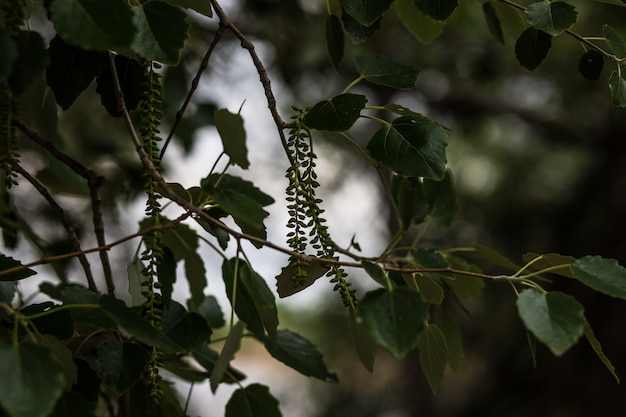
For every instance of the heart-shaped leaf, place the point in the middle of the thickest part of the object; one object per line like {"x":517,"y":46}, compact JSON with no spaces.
{"x":552,"y":17}
{"x":604,"y":275}
{"x":254,"y":400}
{"x":532,"y":47}
{"x":336,"y":114}
{"x":366,"y":12}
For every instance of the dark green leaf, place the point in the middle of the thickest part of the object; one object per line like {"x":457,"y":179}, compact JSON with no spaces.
{"x":8,"y":263}
{"x":8,"y":52}
{"x":58,"y":322}
{"x":76,"y":294}
{"x":429,"y":258}
{"x":166,"y":271}
{"x":422,"y":27}
{"x":32,"y":380}
{"x":551,"y":17}
{"x":433,"y":355}
{"x":493,"y":22}
{"x":441,"y":198}
{"x":135,"y":278}
{"x":431,"y":291}
{"x":63,"y":356}
{"x":550,"y":260}
{"x":556,"y":319}
{"x":210,"y":310}
{"x":132,"y":322}
{"x":188,"y":330}
{"x":614,"y":41}
{"x":254,"y":400}
{"x":603,"y":275}
{"x":408,"y":195}
{"x":162,"y":31}
{"x":591,"y":64}
{"x":366,"y":12}
{"x":617,"y":85}
{"x":377,"y":273}
{"x":120,"y":365}
{"x":230,"y":128}
{"x":99,"y":25}
{"x":362,"y":341}
{"x":71,"y":70}
{"x":496,"y":257}
{"x":334,"y":40}
{"x":208,"y":357}
{"x":356,"y":31}
{"x":300,"y":354}
{"x":394,"y":319}
{"x":231,"y":346}
{"x":7,"y":291}
{"x":451,"y":330}
{"x":200,"y":6}
{"x":31,"y":60}
{"x":597,"y":347}
{"x":411,"y":146}
{"x":286,"y":285}
{"x":336,"y":114}
{"x":72,"y":404}
{"x":131,"y":76}
{"x":383,"y":71}
{"x":532,"y":47}
{"x":437,"y":9}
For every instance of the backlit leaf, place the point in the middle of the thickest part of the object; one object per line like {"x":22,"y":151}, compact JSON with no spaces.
{"x":383,"y":71}
{"x":429,"y":289}
{"x":254,"y":400}
{"x":231,"y":346}
{"x":162,"y":31}
{"x":411,"y":146}
{"x":551,"y":17}
{"x":300,"y":354}
{"x":207,"y":358}
{"x":336,"y":114}
{"x":363,"y":343}
{"x":614,"y":41}
{"x":597,"y":347}
{"x":451,"y":330}
{"x":549,"y":260}
{"x":366,"y":12}
{"x":99,"y":25}
{"x":230,"y":128}
{"x":424,"y":28}
{"x":71,"y":70}
{"x":7,"y":263}
{"x":376,"y":272}
{"x":286,"y":286}
{"x":437,"y":9}
{"x":591,"y":64}
{"x":32,"y":380}
{"x":617,"y":85}
{"x":394,"y":319}
{"x":334,"y":39}
{"x":532,"y":47}
{"x":555,"y":318}
{"x":603,"y":275}
{"x":433,"y":355}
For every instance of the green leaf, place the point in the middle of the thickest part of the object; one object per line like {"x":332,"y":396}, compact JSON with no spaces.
{"x":8,"y":52}
{"x":451,"y":330}
{"x":254,"y":400}
{"x":356,"y":31}
{"x":63,"y":356}
{"x":433,"y":355}
{"x":597,"y":347}
{"x":549,"y":260}
{"x":334,"y":39}
{"x":336,"y":114}
{"x":556,"y":319}
{"x":7,"y":263}
{"x":287,"y":286}
{"x":614,"y":41}
{"x":551,"y":17}
{"x":71,"y":70}
{"x":394,"y":319}
{"x":408,"y":196}
{"x":363,"y":343}
{"x":437,"y":9}
{"x":617,"y":85}
{"x":254,"y":303}
{"x":32,"y":380}
{"x":603,"y":275}
{"x":366,"y":12}
{"x":512,"y":20}
{"x":166,"y":271}
{"x":299,"y":354}
{"x":133,"y":323}
{"x":120,"y":365}
{"x":532,"y":47}
{"x":431,"y":291}
{"x":207,"y":359}
{"x":32,"y":58}
{"x":590,"y":65}
{"x":99,"y":25}
{"x":76,"y":294}
{"x":231,"y":346}
{"x":230,"y":128}
{"x":131,"y":76}
{"x":188,"y":330}
{"x":441,"y":198}
{"x":201,"y":6}
{"x":383,"y":71}
{"x":422,"y":27}
{"x":7,"y":291}
{"x":210,"y":310}
{"x":376,"y":272}
{"x":162,"y":31}
{"x":493,"y":22}
{"x":496,"y":257}
{"x":411,"y":146}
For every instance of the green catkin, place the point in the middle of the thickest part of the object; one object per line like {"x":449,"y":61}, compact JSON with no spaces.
{"x":150,"y":109}
{"x":306,"y":221}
